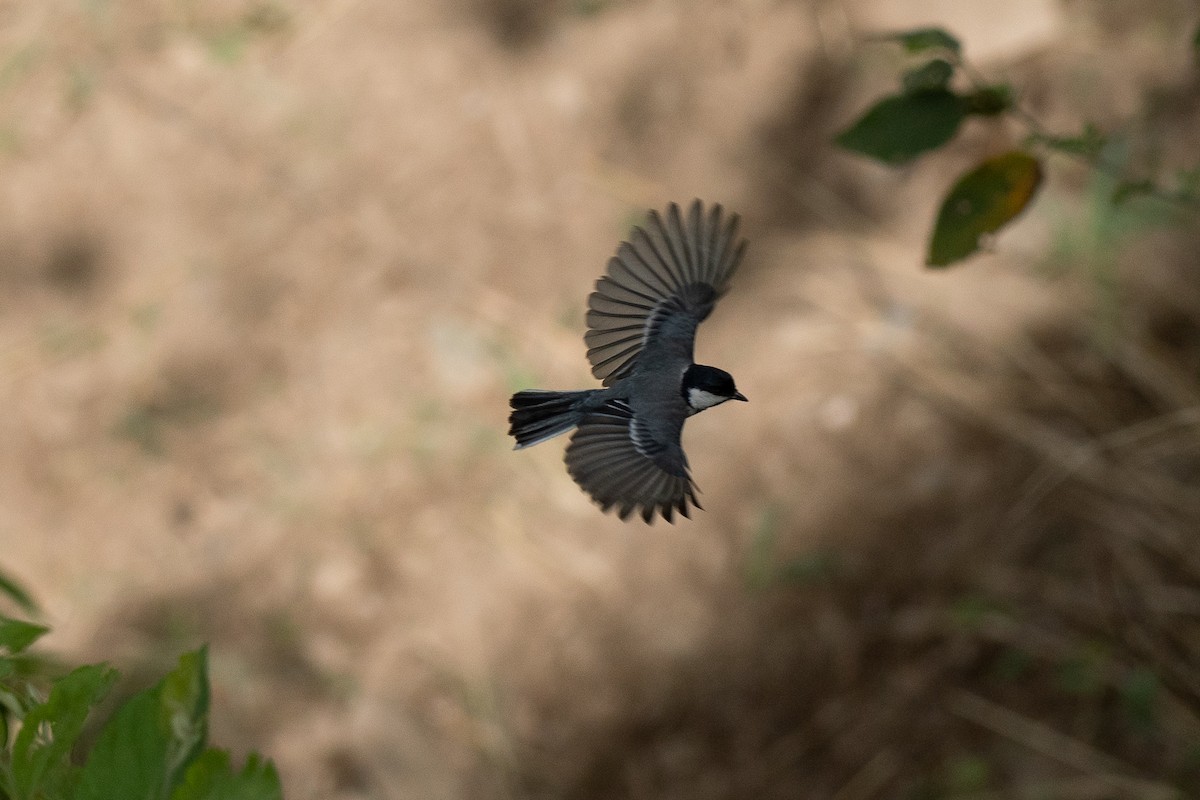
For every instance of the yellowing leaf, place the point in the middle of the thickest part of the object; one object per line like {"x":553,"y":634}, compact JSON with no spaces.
{"x":982,"y":201}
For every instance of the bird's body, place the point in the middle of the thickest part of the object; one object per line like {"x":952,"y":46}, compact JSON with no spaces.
{"x":642,"y":319}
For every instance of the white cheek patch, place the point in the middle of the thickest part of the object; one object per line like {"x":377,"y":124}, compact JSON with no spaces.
{"x":700,"y":399}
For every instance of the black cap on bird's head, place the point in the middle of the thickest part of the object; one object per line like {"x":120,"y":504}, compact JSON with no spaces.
{"x":704,"y":387}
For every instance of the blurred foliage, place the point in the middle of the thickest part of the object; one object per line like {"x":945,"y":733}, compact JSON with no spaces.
{"x":927,"y":113}
{"x":153,"y":747}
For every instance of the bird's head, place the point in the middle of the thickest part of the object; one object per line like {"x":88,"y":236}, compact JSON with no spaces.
{"x":704,"y":387}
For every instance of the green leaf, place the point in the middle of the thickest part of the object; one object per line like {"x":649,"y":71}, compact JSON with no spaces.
{"x":1087,"y":144}
{"x":982,"y":201}
{"x":145,"y":749}
{"x":920,"y":40}
{"x":16,"y":635}
{"x":989,"y":101}
{"x":935,"y":74}
{"x":184,"y":710}
{"x":128,"y":758}
{"x":899,"y":128}
{"x":41,"y":752}
{"x":210,"y":777}
{"x":17,"y":594}
{"x":1127,"y":190}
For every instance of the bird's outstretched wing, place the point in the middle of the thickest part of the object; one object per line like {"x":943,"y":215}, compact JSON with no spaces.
{"x":659,"y":286}
{"x":621,"y":466}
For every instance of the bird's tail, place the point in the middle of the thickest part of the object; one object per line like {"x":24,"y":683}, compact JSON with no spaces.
{"x":539,"y":415}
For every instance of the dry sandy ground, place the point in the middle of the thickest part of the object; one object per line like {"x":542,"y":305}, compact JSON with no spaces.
{"x":268,"y":273}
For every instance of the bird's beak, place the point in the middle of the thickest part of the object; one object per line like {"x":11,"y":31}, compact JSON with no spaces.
{"x":740,"y":396}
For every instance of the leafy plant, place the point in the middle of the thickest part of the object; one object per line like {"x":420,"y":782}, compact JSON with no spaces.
{"x":153,"y":747}
{"x":928,"y":112}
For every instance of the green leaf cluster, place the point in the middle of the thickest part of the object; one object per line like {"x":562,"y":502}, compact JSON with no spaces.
{"x":926,"y":114}
{"x":928,"y":111}
{"x":153,"y":748}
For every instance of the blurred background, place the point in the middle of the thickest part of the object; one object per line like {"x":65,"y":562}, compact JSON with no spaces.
{"x":269,"y":272}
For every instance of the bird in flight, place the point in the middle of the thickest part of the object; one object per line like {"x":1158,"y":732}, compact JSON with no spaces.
{"x":626,"y":451}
